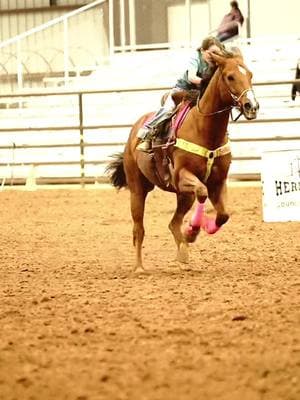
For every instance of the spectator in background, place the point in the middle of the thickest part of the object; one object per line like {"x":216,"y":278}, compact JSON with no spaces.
{"x":231,"y":23}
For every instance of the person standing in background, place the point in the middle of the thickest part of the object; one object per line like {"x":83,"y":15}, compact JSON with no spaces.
{"x":231,"y":23}
{"x":296,"y":85}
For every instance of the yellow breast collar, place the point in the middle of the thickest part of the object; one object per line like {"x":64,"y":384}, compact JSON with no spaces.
{"x":204,"y":152}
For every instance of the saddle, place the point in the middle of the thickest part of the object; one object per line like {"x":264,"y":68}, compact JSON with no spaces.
{"x":164,"y":136}
{"x":165,"y":132}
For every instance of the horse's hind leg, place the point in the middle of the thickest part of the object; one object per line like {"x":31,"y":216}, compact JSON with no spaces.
{"x":184,"y":203}
{"x":137,"y":203}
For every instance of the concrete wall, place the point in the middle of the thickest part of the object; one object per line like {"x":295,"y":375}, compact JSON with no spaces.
{"x":271,"y":17}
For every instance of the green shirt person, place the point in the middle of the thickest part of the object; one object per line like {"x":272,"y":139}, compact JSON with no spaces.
{"x":196,"y":69}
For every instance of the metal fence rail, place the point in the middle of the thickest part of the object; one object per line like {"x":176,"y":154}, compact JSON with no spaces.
{"x":54,"y":48}
{"x":82,"y":146}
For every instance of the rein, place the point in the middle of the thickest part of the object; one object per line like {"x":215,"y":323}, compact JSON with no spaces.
{"x":229,"y":108}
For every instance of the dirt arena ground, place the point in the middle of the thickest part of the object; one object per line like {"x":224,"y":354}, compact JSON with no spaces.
{"x":77,"y":324}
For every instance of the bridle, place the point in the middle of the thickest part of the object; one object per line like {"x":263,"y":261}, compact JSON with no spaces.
{"x":238,"y":98}
{"x":236,"y":104}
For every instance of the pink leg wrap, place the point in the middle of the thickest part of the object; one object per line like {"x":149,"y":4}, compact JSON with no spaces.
{"x":209,"y":225}
{"x":198,"y":215}
{"x":200,"y":220}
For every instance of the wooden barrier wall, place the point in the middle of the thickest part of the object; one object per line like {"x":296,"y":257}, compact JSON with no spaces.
{"x":69,"y":137}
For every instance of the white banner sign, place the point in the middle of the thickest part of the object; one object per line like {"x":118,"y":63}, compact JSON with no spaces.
{"x":281,"y":185}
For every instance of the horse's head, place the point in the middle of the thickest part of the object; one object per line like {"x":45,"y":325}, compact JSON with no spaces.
{"x":237,"y":83}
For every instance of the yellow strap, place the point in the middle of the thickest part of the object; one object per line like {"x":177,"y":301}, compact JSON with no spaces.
{"x":204,"y":152}
{"x":209,"y":165}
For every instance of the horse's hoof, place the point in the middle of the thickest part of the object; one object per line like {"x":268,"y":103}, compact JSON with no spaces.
{"x":183,"y":253}
{"x":222,"y":219}
{"x":141,"y":272}
{"x":138,"y":268}
{"x":191,"y":233}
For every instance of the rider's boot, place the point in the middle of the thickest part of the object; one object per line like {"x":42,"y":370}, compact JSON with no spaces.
{"x":144,"y":134}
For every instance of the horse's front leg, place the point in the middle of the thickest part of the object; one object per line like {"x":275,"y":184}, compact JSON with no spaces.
{"x":218,"y":196}
{"x":137,"y":203}
{"x":184,"y":203}
{"x":189,"y":183}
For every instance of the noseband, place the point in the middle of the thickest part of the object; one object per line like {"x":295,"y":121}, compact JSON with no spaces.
{"x":237,"y":102}
{"x":238,"y":98}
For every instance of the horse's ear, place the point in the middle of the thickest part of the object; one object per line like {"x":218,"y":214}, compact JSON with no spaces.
{"x":218,"y":59}
{"x":236,"y":52}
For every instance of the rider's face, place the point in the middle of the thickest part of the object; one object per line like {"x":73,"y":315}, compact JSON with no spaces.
{"x":206,"y":53}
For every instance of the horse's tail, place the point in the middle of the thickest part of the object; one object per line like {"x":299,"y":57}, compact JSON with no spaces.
{"x":115,"y":171}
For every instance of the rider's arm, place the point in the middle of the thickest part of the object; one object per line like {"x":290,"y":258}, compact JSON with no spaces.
{"x":193,"y":68}
{"x":192,"y":76}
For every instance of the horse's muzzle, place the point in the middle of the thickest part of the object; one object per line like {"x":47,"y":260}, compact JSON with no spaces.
{"x":250,"y":111}
{"x":250,"y":106}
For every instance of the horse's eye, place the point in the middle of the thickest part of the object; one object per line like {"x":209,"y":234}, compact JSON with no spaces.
{"x":230,"y":78}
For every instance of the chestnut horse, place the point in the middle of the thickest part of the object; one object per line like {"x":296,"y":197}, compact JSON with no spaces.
{"x":200,"y":158}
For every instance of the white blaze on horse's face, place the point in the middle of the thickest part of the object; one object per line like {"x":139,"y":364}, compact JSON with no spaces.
{"x":239,"y":83}
{"x":250,"y":96}
{"x":249,"y":104}
{"x":242,"y":70}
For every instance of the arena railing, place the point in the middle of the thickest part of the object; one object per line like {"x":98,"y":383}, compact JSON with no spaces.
{"x":49,"y":48}
{"x":81,"y":127}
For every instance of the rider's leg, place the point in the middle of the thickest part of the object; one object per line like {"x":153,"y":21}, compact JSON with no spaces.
{"x":146,"y":132}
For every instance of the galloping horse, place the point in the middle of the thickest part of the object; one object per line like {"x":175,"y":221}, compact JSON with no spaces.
{"x":200,"y":158}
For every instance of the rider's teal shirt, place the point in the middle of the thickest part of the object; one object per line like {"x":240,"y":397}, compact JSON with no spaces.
{"x":197,"y":62}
